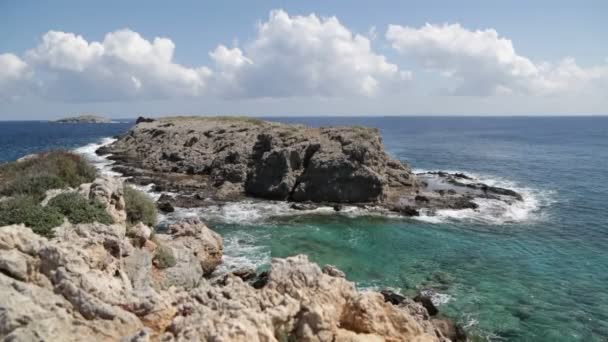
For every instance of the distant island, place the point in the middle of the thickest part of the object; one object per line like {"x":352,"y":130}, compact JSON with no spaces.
{"x":85,"y":118}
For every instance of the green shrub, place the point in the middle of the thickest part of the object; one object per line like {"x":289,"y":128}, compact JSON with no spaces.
{"x":51,"y":170}
{"x":25,"y":209}
{"x":79,"y":209}
{"x":139,"y":207}
{"x":164,"y":258}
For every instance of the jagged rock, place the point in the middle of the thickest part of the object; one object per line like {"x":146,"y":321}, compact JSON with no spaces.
{"x":333,"y":271}
{"x":449,"y":329}
{"x":165,"y":206}
{"x":392,"y":297}
{"x":245,"y":273}
{"x":82,"y":286}
{"x":143,"y":119}
{"x":299,"y":302}
{"x":140,"y":232}
{"x":269,"y":160}
{"x":109,"y":191}
{"x":197,"y":249}
{"x":14,"y":264}
{"x":427,"y":303}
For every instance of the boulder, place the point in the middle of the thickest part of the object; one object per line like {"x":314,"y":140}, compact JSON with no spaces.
{"x":197,"y":251}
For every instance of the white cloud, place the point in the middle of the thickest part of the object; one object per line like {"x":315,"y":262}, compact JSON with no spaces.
{"x":289,"y":56}
{"x":486,"y":64}
{"x":123,"y":65}
{"x":13,"y":76}
{"x":305,"y":56}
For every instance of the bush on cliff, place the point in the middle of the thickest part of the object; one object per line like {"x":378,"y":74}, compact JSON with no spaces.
{"x":139,"y":207}
{"x":51,"y":170}
{"x":79,"y":209}
{"x":26,"y":210}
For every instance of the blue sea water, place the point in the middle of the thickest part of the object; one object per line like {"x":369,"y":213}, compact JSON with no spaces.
{"x":533,"y":272}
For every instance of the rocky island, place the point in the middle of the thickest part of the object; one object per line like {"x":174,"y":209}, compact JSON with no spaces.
{"x":84,"y":118}
{"x":230,"y":158}
{"x":80,"y":260}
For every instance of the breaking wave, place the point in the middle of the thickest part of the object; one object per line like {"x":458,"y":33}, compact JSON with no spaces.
{"x":491,"y":211}
{"x":103,"y":164}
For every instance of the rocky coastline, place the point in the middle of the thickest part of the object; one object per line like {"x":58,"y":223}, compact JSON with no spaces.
{"x":203,"y":160}
{"x":121,"y":282}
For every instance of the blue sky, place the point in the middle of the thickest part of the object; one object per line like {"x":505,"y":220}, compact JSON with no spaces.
{"x":287,"y":58}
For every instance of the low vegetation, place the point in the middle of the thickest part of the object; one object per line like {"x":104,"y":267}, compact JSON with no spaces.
{"x":78,"y":209}
{"x":139,"y":207}
{"x":26,"y":210}
{"x":51,"y":170}
{"x":23,"y":185}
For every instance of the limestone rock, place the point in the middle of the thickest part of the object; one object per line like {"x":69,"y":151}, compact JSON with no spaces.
{"x":197,"y":249}
{"x":89,"y":283}
{"x":109,"y":191}
{"x":264,"y":159}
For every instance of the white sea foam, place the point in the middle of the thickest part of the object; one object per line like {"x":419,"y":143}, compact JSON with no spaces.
{"x":102,"y":163}
{"x":493,"y":211}
{"x":437,"y":298}
{"x":242,"y":250}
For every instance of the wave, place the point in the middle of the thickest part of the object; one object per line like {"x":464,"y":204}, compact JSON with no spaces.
{"x":491,"y":211}
{"x":102,"y":163}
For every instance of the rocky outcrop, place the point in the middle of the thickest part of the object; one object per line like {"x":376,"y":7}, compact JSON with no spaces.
{"x":99,"y":282}
{"x":237,"y":157}
{"x":110,"y":192}
{"x":206,"y":159}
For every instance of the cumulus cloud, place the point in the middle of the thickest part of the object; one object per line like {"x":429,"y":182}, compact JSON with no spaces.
{"x":305,"y":56}
{"x":14,"y":73}
{"x":485,"y":63}
{"x":123,"y":65}
{"x":289,"y":56}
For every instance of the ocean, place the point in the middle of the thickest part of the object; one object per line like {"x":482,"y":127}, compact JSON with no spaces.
{"x":535,"y":271}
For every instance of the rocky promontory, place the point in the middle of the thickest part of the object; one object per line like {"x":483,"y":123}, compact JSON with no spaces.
{"x":84,"y":118}
{"x":229,"y":158}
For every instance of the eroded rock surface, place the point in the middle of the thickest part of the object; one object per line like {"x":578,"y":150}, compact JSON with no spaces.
{"x":97,"y":282}
{"x":236,"y":157}
{"x":207,"y":159}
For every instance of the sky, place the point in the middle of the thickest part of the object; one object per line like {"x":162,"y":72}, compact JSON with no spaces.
{"x":123,"y":59}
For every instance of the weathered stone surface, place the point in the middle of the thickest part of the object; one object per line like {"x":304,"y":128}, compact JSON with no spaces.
{"x":225,"y":159}
{"x":197,"y":249}
{"x":109,"y":191}
{"x":85,"y":284}
{"x":268,"y":160}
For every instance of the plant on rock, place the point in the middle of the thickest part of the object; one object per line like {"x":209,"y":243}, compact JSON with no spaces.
{"x":25,"y":210}
{"x":79,"y":209}
{"x":139,"y":207}
{"x":51,"y":170}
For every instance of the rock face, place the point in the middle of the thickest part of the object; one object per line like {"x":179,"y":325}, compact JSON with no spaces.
{"x":108,"y":191}
{"x":236,"y":157}
{"x":91,"y":283}
{"x":207,"y":159}
{"x":85,"y":118}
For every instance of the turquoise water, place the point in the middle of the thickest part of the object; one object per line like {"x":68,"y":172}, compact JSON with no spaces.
{"x":538,"y":274}
{"x":535,"y":272}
